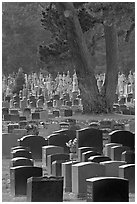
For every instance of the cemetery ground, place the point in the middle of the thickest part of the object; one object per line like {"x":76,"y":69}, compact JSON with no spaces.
{"x":67,"y":197}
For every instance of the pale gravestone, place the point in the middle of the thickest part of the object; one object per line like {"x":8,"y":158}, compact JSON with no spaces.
{"x":67,"y":174}
{"x":127,"y":171}
{"x":80,"y":172}
{"x":88,"y":154}
{"x":21,"y":161}
{"x":35,"y":143}
{"x":55,"y":157}
{"x":128,"y":156}
{"x":48,"y":150}
{"x":98,"y":158}
{"x":112,"y":168}
{"x":84,"y":149}
{"x":19,"y":176}
{"x":107,"y":189}
{"x":90,"y":137}
{"x":116,"y":152}
{"x":125,"y":138}
{"x":50,"y":189}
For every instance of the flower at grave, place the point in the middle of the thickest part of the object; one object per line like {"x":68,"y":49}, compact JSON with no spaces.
{"x":72,"y":145}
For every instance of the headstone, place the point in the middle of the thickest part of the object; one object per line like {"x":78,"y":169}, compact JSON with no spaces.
{"x":21,"y":161}
{"x":67,"y":174}
{"x":7,"y":117}
{"x":23,"y":104}
{"x":112,"y":168}
{"x":21,"y":153}
{"x":84,"y":149}
{"x":50,"y":189}
{"x":76,"y":102}
{"x":35,"y":116}
{"x":7,"y":98}
{"x":14,"y":111}
{"x":56,"y":97}
{"x":44,"y":115}
{"x":125,"y":138}
{"x":107,"y":148}
{"x":107,"y":189}
{"x":88,"y":154}
{"x":39,"y":103}
{"x":19,"y":147}
{"x":122,"y":100}
{"x":19,"y":176}
{"x":67,"y":112}
{"x":35,"y":143}
{"x":80,"y":172}
{"x":56,"y":113}
{"x":57,"y":167}
{"x":98,"y":158}
{"x":128,"y":156}
{"x":118,"y":126}
{"x":90,"y":137}
{"x":22,"y":118}
{"x":5,"y":111}
{"x":116,"y":152}
{"x":127,"y":171}
{"x":68,"y":103}
{"x":55,"y":157}
{"x":48,"y":150}
{"x":14,"y":118}
{"x":41,"y":97}
{"x":59,"y":139}
{"x":11,"y":127}
{"x":94,"y":125}
{"x":64,"y":125}
{"x":22,"y":124}
{"x":49,"y":104}
{"x":106,"y":124}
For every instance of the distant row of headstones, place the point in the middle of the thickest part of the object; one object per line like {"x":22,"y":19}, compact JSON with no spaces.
{"x":99,"y":173}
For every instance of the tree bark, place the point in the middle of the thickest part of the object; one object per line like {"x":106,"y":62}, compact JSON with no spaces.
{"x":111,"y":79}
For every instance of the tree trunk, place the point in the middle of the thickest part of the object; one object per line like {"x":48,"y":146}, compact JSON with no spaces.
{"x":111,"y":79}
{"x":87,"y":81}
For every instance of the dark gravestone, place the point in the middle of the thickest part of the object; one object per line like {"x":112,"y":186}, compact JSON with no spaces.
{"x":41,"y":97}
{"x":118,"y":126}
{"x":128,"y":156}
{"x":32,"y":98}
{"x":14,"y":118}
{"x":126,"y":112}
{"x":36,"y":116}
{"x":67,"y":112}
{"x":98,"y":158}
{"x":76,"y":102}
{"x":5,"y":111}
{"x":127,"y":171}
{"x":23,"y":124}
{"x":14,"y":111}
{"x":27,"y":111}
{"x":7,"y":117}
{"x":56,"y":97}
{"x":19,"y":176}
{"x":22,"y":118}
{"x":32,"y":104}
{"x":50,"y":189}
{"x":56,"y":113}
{"x":107,"y":189}
{"x":57,"y":167}
{"x":35,"y":144}
{"x":59,"y":140}
{"x":49,"y":104}
{"x":11,"y":127}
{"x":68,"y":103}
{"x":21,"y":153}
{"x":7,"y":98}
{"x":125,"y":138}
{"x":88,"y":154}
{"x":84,"y":149}
{"x":21,"y":161}
{"x":116,"y":152}
{"x":122,"y":100}
{"x":122,"y":107}
{"x":70,"y":133}
{"x":90,"y":137}
{"x":55,"y":157}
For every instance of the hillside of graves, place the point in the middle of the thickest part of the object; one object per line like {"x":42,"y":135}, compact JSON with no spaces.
{"x":48,"y":143}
